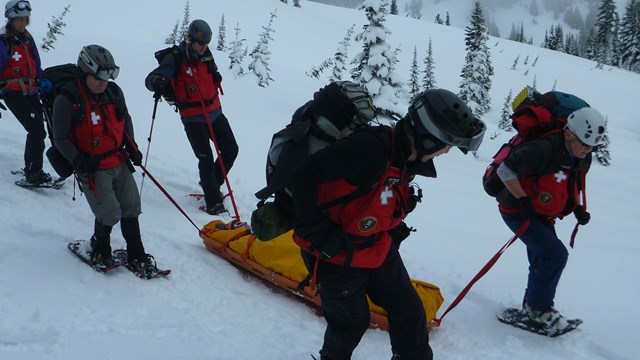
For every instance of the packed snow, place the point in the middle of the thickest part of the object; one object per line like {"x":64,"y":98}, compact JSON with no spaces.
{"x":52,"y":306}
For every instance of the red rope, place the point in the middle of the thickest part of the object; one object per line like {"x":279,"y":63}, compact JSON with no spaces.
{"x":215,"y":143}
{"x":436,"y":322}
{"x":168,"y":196}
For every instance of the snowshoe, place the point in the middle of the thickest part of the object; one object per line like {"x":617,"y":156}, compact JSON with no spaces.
{"x":144,"y":269}
{"x":82,"y":250}
{"x":549,"y":323}
{"x":37,"y":180}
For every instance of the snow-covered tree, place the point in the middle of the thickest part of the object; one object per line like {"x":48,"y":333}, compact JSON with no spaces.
{"x":515,"y":63}
{"x":222,"y":31}
{"x":429,"y":78}
{"x":477,"y":70}
{"x":296,"y":3}
{"x":261,"y":54}
{"x":173,"y":38}
{"x":394,"y":7}
{"x":606,"y":33}
{"x":316,"y":71}
{"x":373,"y":64}
{"x":55,"y":29}
{"x":447,"y":20}
{"x":186,"y":20}
{"x":601,"y":152}
{"x":629,"y":39}
{"x":573,"y":18}
{"x":505,"y":114}
{"x":414,"y":85}
{"x":237,"y":52}
{"x":533,"y":8}
{"x":438,"y":19}
{"x":415,"y":9}
{"x":340,"y":57}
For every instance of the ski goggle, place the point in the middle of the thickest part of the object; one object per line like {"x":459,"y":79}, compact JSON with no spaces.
{"x":22,"y":5}
{"x":20,"y":9}
{"x":471,"y":143}
{"x":105,"y":73}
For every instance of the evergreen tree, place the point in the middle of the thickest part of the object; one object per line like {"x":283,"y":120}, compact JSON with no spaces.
{"x":296,"y":3}
{"x":447,"y":20}
{"x":373,"y":73}
{"x":316,"y":71}
{"x":186,"y":20}
{"x":492,"y":29}
{"x":429,"y":78}
{"x":477,"y":70}
{"x":414,"y":86}
{"x":237,"y":52}
{"x":515,"y":63}
{"x":533,"y":8}
{"x":630,"y":37}
{"x":172,"y":39}
{"x":602,"y":151}
{"x":606,"y":32}
{"x":55,"y":29}
{"x":505,"y":114}
{"x":284,"y":1}
{"x":439,"y":19}
{"x":261,"y":54}
{"x":415,"y":9}
{"x":573,"y":18}
{"x":221,"y":35}
{"x":340,"y":57}
{"x":394,"y":7}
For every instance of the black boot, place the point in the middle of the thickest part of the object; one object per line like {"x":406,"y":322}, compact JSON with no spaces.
{"x":131,"y":232}
{"x":101,"y":243}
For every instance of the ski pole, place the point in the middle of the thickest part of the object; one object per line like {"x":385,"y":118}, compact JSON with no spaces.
{"x":218,"y":152}
{"x":156,"y":98}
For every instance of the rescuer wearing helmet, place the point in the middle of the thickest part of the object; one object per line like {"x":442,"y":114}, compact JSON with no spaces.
{"x":189,"y":76}
{"x":543,"y":180}
{"x":350,"y":200}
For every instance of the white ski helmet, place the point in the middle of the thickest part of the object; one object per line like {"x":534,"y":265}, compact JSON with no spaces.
{"x":17,"y":9}
{"x":588,"y":125}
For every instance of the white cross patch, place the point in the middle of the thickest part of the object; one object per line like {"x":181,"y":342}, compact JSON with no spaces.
{"x":560,"y":176}
{"x":189,"y":71}
{"x":95,"y":118}
{"x":16,"y":56}
{"x":385,"y":195}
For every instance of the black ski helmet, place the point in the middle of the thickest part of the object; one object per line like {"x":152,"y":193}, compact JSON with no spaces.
{"x":442,"y":114}
{"x":200,"y":31}
{"x":98,"y":61}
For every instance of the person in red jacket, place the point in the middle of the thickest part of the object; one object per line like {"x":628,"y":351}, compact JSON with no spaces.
{"x":350,"y":200}
{"x":543,"y":179}
{"x":191,"y":75}
{"x":94,"y":131}
{"x":20,"y":74}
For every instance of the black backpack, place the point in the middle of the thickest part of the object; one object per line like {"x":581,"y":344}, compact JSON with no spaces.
{"x":61,"y":75}
{"x":336,"y":111}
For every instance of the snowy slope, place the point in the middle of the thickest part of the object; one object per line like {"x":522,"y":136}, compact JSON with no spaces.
{"x":54,"y":307}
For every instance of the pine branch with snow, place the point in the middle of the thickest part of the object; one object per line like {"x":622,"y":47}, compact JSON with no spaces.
{"x":55,"y":29}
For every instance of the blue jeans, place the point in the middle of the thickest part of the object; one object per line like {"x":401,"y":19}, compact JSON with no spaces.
{"x":547,"y":259}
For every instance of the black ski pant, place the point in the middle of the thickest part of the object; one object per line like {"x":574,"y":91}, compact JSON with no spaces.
{"x":343,"y":291}
{"x":28,"y":110}
{"x":211,"y":175}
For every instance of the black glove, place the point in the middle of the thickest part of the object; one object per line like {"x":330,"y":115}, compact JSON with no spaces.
{"x":326,"y":237}
{"x":86,"y":164}
{"x":136,"y":157}
{"x":581,"y":215}
{"x":217,"y":78}
{"x":400,"y":232}
{"x":158,"y":84}
{"x":527,"y":210}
